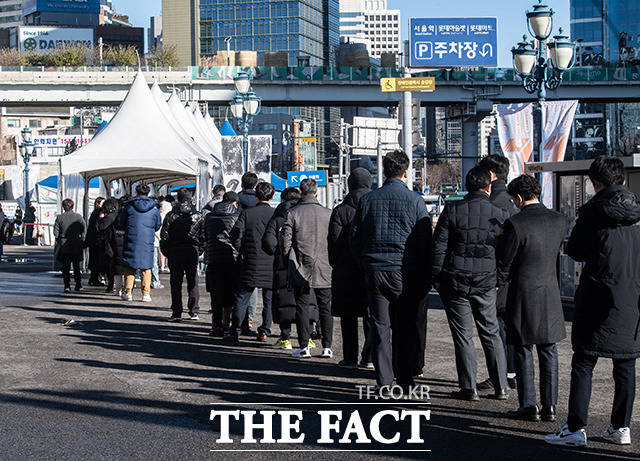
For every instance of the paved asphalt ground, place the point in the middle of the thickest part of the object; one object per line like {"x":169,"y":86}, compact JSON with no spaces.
{"x":124,"y":384}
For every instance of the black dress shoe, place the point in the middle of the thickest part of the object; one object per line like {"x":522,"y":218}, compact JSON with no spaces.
{"x":511,"y":383}
{"x":525,"y":414}
{"x":502,"y":394}
{"x":470,"y":395}
{"x":485,"y":385}
{"x":548,"y":413}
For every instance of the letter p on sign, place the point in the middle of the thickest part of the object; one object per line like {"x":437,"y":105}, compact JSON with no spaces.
{"x":424,"y":50}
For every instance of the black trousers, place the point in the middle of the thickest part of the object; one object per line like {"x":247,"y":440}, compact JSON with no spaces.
{"x":421,"y":324}
{"x":323,"y":298}
{"x":66,"y":272}
{"x":509,"y":349}
{"x":241,"y":305}
{"x":184,"y":261}
{"x":624,"y":378}
{"x":548,"y":362}
{"x":349,"y":328}
{"x":394,"y":331}
{"x":463,"y":311}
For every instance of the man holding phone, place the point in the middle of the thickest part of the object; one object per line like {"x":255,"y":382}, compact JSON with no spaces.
{"x":464,"y":272}
{"x":499,"y":166}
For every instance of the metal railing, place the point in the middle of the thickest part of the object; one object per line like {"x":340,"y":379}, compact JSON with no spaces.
{"x":351,"y":74}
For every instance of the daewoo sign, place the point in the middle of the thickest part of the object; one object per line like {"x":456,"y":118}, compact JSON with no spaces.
{"x":39,"y":39}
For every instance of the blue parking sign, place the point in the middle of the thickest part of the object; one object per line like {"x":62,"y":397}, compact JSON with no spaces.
{"x":453,"y":42}
{"x":294,"y":178}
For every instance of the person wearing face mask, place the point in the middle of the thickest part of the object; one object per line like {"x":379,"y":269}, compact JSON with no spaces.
{"x":527,"y":255}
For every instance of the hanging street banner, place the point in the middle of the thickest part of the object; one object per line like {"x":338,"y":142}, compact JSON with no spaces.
{"x":408,"y":84}
{"x":557,"y":119}
{"x":453,"y":42}
{"x":515,"y":130}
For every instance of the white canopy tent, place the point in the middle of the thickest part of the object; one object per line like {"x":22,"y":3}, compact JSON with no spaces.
{"x":141,"y":144}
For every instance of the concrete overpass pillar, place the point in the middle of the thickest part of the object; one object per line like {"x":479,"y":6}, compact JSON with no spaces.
{"x":469,"y":145}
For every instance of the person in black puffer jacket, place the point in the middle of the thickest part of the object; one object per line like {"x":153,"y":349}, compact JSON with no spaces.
{"x":181,"y":243}
{"x":464,"y":272}
{"x":256,"y":267}
{"x":348,"y":287}
{"x":499,"y":167}
{"x":116,"y":242}
{"x":221,"y":257}
{"x":283,"y":301}
{"x":104,"y":228}
{"x":606,"y":318}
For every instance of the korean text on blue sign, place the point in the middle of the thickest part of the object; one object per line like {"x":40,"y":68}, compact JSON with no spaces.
{"x":294,"y":178}
{"x":454,"y":42}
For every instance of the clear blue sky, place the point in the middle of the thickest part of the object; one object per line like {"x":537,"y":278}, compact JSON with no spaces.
{"x":510,"y":14}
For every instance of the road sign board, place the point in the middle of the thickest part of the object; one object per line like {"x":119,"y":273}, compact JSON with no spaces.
{"x":453,"y":42}
{"x":308,"y":139}
{"x":294,"y":178}
{"x":408,"y":84}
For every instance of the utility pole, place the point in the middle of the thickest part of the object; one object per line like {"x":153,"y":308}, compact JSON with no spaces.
{"x":379,"y":157}
{"x":407,"y":121}
{"x":100,"y":46}
{"x":341,"y":161}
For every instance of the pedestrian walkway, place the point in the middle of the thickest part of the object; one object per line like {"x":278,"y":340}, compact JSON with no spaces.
{"x":123,"y":383}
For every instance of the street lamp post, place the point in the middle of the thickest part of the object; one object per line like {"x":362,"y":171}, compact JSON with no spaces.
{"x":27,"y":149}
{"x":245,"y":106}
{"x":538,"y":71}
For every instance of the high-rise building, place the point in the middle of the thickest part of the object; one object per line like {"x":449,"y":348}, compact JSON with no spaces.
{"x":10,"y":13}
{"x":371,"y":23}
{"x":181,"y":28}
{"x":607,"y":32}
{"x":106,"y":12}
{"x":154,"y":37}
{"x":303,"y":29}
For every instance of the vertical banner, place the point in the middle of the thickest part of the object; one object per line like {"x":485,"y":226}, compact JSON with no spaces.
{"x":557,"y":119}
{"x":260,"y":156}
{"x":515,"y":130}
{"x":232,"y":158}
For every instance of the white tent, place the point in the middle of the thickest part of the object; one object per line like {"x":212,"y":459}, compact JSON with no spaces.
{"x":205,"y":128}
{"x":212,"y":126}
{"x":188,"y":124}
{"x":161,"y":101}
{"x":138,"y":144}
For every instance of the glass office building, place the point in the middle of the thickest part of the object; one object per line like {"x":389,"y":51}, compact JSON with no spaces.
{"x":308,"y":28}
{"x":607,"y":33}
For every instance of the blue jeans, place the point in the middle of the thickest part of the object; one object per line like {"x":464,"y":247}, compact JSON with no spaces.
{"x":155,"y":270}
{"x":243,"y":296}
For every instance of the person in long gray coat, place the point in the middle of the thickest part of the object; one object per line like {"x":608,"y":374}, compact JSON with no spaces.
{"x":527,"y":254}
{"x":69,"y":230}
{"x":305,"y":242}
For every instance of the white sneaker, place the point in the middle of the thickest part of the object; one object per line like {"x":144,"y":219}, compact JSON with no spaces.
{"x":126,"y":296}
{"x":194,"y":317}
{"x":620,"y":436}
{"x":302,"y":353}
{"x":119,"y":293}
{"x":146,"y":298}
{"x":326,"y":353}
{"x":565,"y":437}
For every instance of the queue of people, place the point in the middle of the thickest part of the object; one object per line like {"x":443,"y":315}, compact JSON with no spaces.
{"x":492,"y":258}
